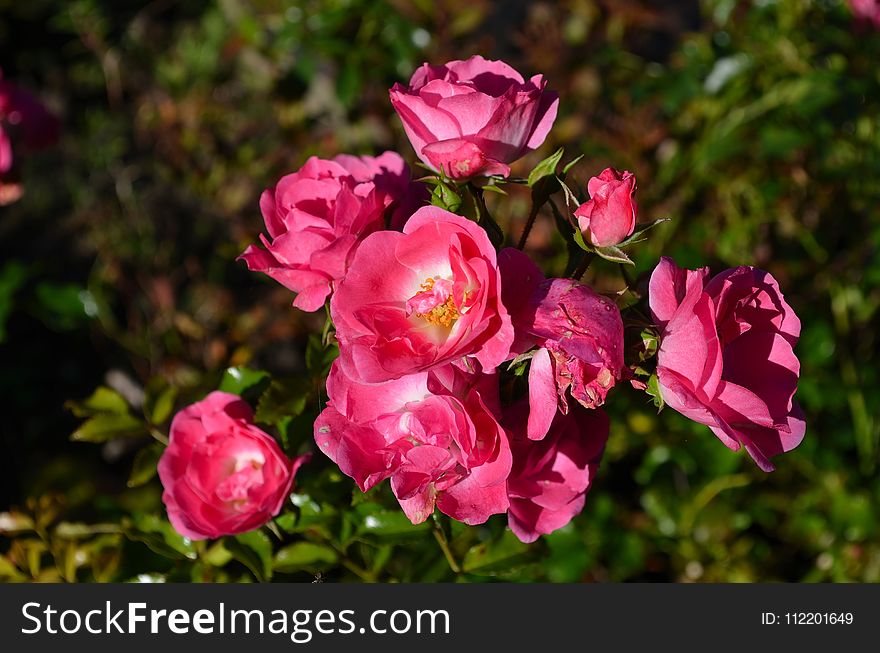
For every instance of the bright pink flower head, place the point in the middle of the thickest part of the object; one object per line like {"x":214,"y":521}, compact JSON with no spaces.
{"x":473,"y":117}
{"x":317,"y":216}
{"x":579,"y":335}
{"x":420,"y":299}
{"x":27,"y":124}
{"x":550,"y":479}
{"x":222,"y":475}
{"x":867,"y":12}
{"x":609,"y":216}
{"x":434,"y":434}
{"x":726,"y":356}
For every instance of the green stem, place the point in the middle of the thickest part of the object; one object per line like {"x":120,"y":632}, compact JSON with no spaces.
{"x":440,"y":536}
{"x":158,"y":436}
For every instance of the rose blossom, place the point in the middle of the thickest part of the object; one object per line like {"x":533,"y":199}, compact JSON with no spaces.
{"x":609,"y":216}
{"x":866,"y":12}
{"x":474,"y":117}
{"x":726,"y":356}
{"x":549,"y":479}
{"x":579,"y":335}
{"x":317,"y":216}
{"x":222,"y":475}
{"x":420,"y":299}
{"x":25,"y":122}
{"x":432,"y":433}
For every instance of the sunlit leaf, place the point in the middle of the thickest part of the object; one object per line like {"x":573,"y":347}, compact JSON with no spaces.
{"x":304,"y":556}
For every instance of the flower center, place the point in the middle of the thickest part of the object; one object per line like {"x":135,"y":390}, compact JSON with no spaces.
{"x":434,"y":303}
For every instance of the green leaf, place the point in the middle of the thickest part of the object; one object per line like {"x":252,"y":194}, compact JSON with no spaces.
{"x":159,"y":535}
{"x":159,"y":400}
{"x":653,"y":389}
{"x":390,"y":524}
{"x":254,"y":551}
{"x":107,"y":426}
{"x":319,"y":357}
{"x":636,"y":235}
{"x":571,"y":199}
{"x":650,"y":344}
{"x":503,"y":554}
{"x":12,"y":277}
{"x":571,"y":164}
{"x":63,"y":306}
{"x":283,"y":399}
{"x":102,"y":400}
{"x":445,"y":196}
{"x":12,"y":523}
{"x":612,"y":253}
{"x":545,"y":168}
{"x":304,"y":556}
{"x":579,"y":239}
{"x":144,"y":466}
{"x":9,"y":571}
{"x":78,"y":531}
{"x":494,"y":188}
{"x":237,"y":380}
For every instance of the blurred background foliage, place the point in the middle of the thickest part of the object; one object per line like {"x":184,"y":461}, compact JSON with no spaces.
{"x":755,"y":126}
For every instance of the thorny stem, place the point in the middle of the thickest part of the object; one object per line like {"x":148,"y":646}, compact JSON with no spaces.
{"x":582,"y":266}
{"x":533,"y":214}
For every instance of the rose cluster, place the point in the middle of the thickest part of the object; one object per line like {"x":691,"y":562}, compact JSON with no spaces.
{"x":468,"y":378}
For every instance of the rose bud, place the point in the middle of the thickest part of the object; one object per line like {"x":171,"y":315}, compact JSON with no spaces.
{"x":609,"y":216}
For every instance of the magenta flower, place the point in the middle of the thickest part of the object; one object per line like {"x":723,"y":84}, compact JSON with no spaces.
{"x":726,"y":356}
{"x":579,"y":335}
{"x":550,"y":479}
{"x":866,"y":12}
{"x":609,"y":216}
{"x":434,"y":434}
{"x":317,"y":217}
{"x":473,"y":117}
{"x":222,"y":475}
{"x":25,"y":124}
{"x":420,"y":299}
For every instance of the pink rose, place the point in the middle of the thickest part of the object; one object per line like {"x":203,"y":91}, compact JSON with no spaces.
{"x":579,"y":335}
{"x":25,"y":122}
{"x":549,"y":480}
{"x":867,"y":12}
{"x":317,"y":216}
{"x":726,"y":356}
{"x":609,"y":216}
{"x":470,"y":118}
{"x":420,"y":299}
{"x":434,"y":434}
{"x":222,"y":475}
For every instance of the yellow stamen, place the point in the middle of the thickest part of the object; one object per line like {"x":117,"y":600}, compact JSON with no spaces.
{"x":444,"y":314}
